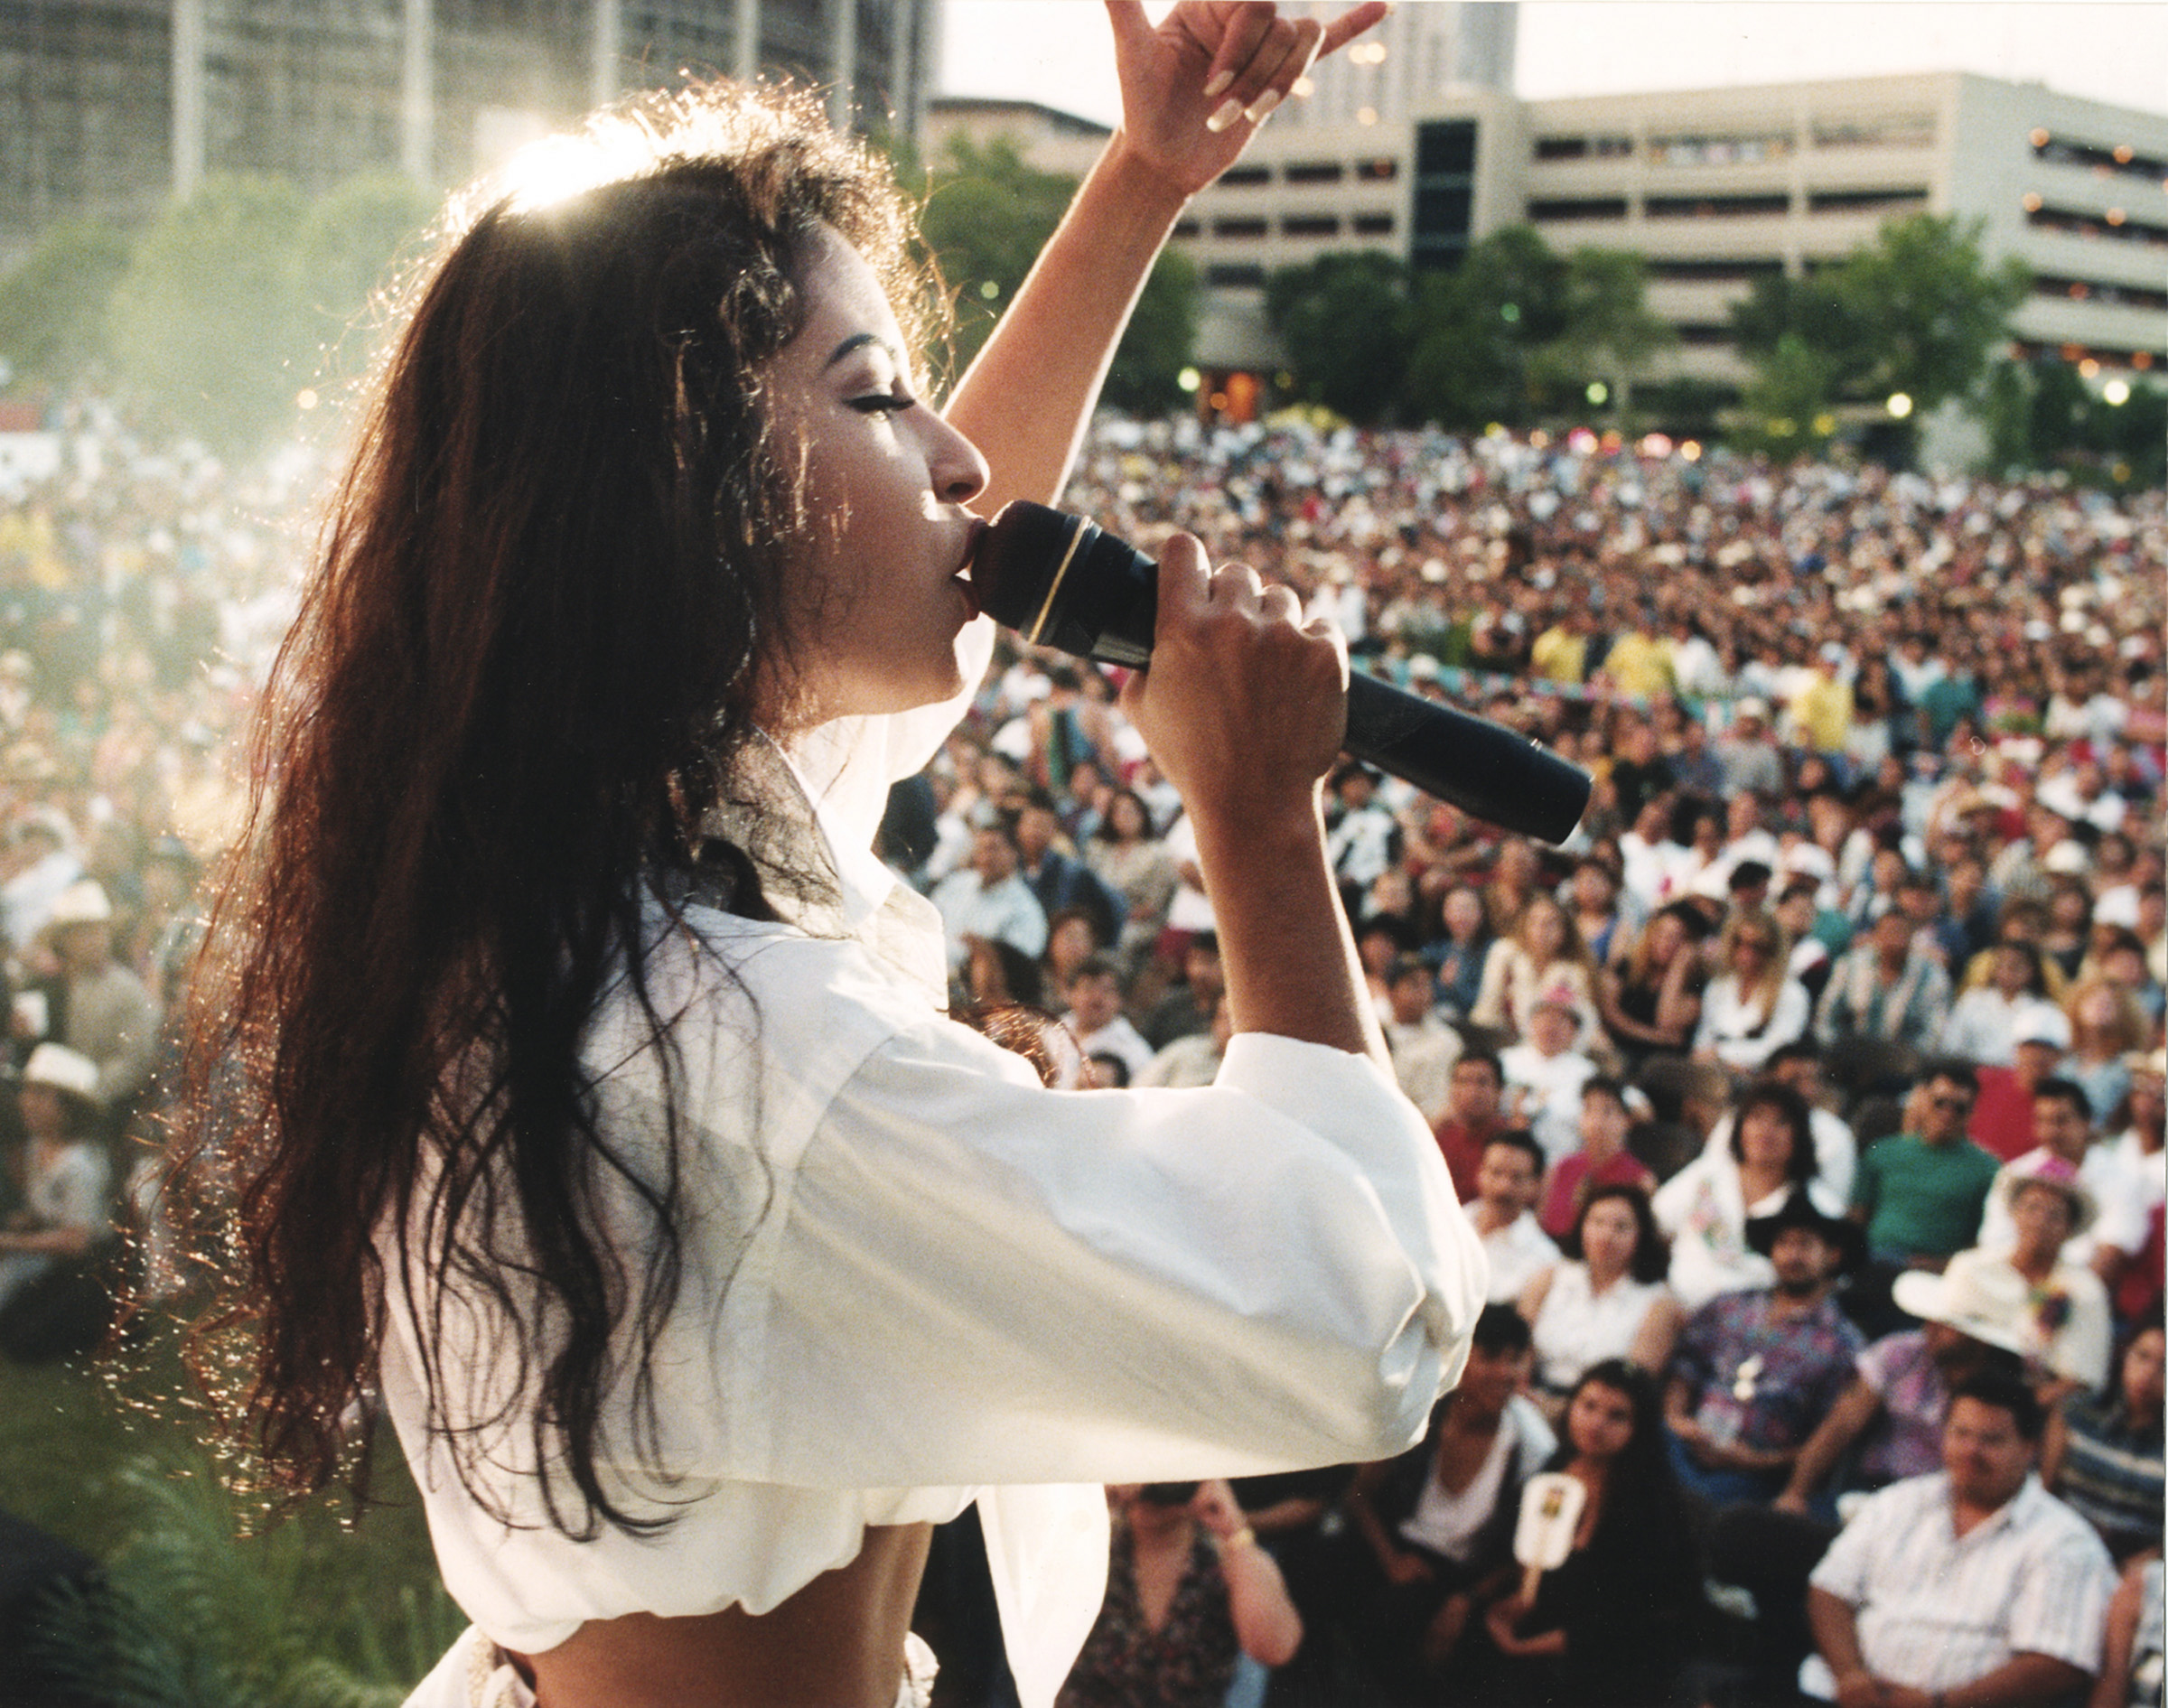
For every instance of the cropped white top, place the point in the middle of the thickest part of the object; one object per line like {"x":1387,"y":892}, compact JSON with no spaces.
{"x":913,"y":1273}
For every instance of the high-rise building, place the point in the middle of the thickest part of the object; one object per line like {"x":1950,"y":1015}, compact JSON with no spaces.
{"x":1419,"y":54}
{"x":107,"y":106}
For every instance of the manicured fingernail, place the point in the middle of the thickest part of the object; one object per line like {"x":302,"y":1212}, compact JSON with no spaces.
{"x":1261,"y":108}
{"x":1224,"y":115}
{"x":1220,"y":79}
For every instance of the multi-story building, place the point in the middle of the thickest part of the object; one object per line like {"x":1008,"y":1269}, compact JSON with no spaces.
{"x":1715,"y":188}
{"x":107,"y":106}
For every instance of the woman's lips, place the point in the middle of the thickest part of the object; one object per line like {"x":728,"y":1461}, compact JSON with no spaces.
{"x":963,"y":574}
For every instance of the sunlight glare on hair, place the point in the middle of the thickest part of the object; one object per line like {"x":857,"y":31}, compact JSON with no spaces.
{"x":556,"y":169}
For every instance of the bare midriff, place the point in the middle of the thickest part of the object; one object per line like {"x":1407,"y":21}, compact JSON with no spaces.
{"x":837,"y":1642}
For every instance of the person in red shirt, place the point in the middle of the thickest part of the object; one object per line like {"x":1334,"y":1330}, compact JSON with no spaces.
{"x":1603,"y":1159}
{"x":1474,"y":1115}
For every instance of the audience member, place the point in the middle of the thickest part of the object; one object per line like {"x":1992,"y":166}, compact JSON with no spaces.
{"x":2063,"y":1129}
{"x":1921,"y":1193}
{"x":1757,"y":1369}
{"x":1893,"y":1412}
{"x":1971,"y":1581}
{"x":2065,"y":1329}
{"x":1475,"y":1116}
{"x":1188,"y":1590}
{"x":1606,"y":1299}
{"x":1704,"y":1209}
{"x":1603,"y":1159}
{"x":990,"y":899}
{"x":1887,"y":989}
{"x":2103,"y":1451}
{"x":1544,"y":1076}
{"x":1614,"y":1623}
{"x":1435,"y":1526}
{"x":1424,"y":1048}
{"x":1754,"y":1004}
{"x":1508,"y":1182}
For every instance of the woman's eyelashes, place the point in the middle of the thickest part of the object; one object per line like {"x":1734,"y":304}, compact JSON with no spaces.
{"x":884,"y":403}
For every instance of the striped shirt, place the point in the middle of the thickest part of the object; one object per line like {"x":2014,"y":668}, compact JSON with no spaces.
{"x":2112,"y":1472}
{"x":1937,"y":1610}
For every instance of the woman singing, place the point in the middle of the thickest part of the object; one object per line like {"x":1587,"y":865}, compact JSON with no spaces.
{"x":582,"y":1068}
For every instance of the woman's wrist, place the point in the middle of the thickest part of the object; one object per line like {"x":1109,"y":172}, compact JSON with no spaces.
{"x":1242,"y":1536}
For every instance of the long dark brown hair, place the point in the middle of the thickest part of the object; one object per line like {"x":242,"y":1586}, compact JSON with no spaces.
{"x":521,"y":675}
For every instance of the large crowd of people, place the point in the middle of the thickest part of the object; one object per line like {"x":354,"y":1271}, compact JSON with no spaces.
{"x":1809,"y":1100}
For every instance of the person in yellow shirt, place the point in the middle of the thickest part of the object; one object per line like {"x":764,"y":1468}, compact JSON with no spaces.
{"x":1821,"y":709}
{"x":1561,"y":652}
{"x":1639,"y":665}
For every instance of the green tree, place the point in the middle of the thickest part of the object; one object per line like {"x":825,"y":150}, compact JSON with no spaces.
{"x":1477,"y":329}
{"x":203,"y":322}
{"x":988,"y":213}
{"x":1787,"y":409}
{"x":1919,"y":311}
{"x":1344,"y":323}
{"x":1145,"y":376}
{"x":1607,"y":332}
{"x":1934,"y":311}
{"x":344,"y":252}
{"x":53,"y":307}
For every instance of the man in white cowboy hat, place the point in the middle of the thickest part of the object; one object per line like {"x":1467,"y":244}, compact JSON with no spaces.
{"x":1900,"y":1394}
{"x":67,"y":1186}
{"x":1970,"y":1584}
{"x":95,"y":1005}
{"x":2062,"y":1126}
{"x":2067,"y":1326}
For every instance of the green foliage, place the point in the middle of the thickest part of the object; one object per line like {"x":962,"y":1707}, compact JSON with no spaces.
{"x":188,"y":1616}
{"x":1344,"y":322}
{"x":1919,"y":311}
{"x":2043,"y":416}
{"x":234,"y":300}
{"x":987,"y":214}
{"x":347,"y":238}
{"x":53,"y":307}
{"x":314,"y":1613}
{"x":1477,"y":330}
{"x":1145,"y":374}
{"x":1513,"y":334}
{"x":1785,"y":409}
{"x":1606,"y":332}
{"x":203,"y":323}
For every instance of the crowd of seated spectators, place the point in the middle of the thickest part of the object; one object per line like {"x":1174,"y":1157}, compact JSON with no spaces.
{"x":1811,"y":1089}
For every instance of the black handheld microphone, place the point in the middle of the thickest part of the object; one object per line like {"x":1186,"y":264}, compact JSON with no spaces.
{"x":1061,"y":580}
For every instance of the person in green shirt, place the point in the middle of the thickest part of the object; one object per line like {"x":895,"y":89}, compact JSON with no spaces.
{"x":1921,"y":1193}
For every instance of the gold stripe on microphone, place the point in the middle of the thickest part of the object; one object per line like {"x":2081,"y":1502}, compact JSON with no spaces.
{"x":1053,"y":587}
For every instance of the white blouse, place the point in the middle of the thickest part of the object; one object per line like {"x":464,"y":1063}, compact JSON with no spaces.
{"x":912,"y":1272}
{"x":1577,"y":1328}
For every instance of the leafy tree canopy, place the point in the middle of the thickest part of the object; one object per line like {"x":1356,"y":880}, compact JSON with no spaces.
{"x":988,"y":213}
{"x":1918,"y":310}
{"x":53,"y":307}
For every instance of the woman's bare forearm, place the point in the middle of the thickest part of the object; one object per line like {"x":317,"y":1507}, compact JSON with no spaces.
{"x":1028,"y":397}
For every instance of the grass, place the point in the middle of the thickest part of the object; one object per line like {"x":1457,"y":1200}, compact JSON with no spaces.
{"x":315,"y":1611}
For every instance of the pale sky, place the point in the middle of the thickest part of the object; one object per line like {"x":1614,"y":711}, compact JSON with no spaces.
{"x":1056,"y":51}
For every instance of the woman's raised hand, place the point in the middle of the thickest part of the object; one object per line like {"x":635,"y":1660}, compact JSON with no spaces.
{"x":1195,"y":90}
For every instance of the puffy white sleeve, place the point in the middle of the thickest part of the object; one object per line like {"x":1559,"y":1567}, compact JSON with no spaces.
{"x":1267,"y":1272}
